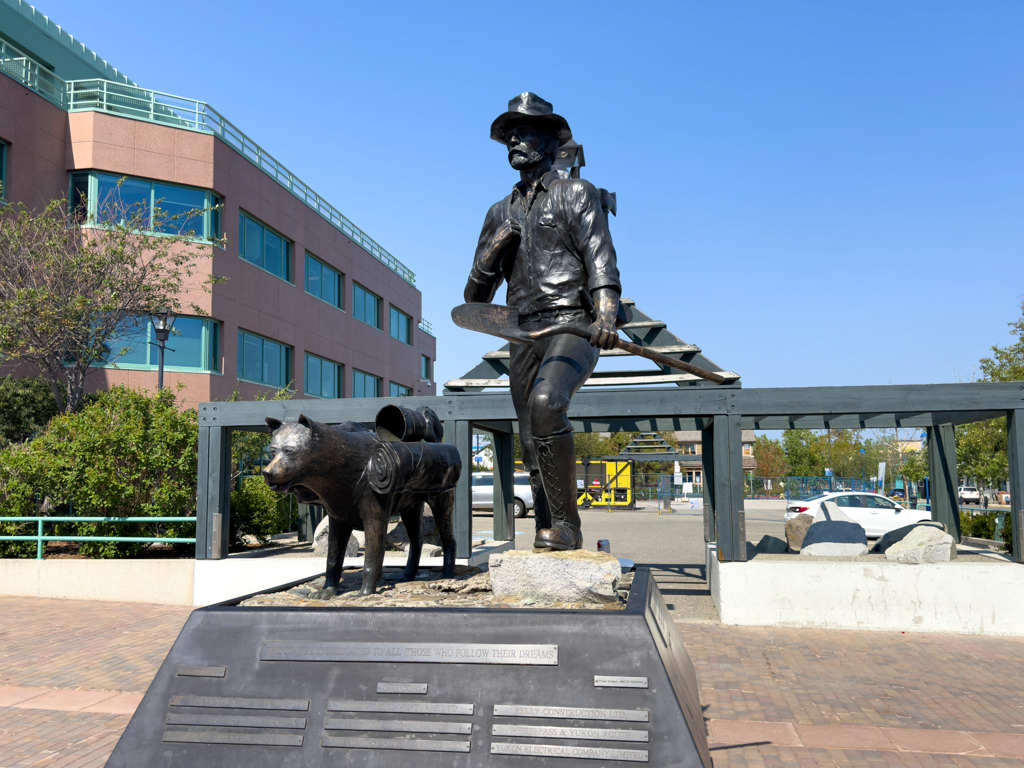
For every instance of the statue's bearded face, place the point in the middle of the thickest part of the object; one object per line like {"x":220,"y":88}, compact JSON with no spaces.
{"x":528,"y":145}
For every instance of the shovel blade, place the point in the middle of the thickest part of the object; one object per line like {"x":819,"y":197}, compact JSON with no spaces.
{"x":492,"y":319}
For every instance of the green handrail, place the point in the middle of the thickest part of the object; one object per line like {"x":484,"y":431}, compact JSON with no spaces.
{"x":39,"y":538}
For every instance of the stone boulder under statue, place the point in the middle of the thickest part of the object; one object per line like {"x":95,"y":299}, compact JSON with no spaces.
{"x":834,"y":534}
{"x":573,"y":576}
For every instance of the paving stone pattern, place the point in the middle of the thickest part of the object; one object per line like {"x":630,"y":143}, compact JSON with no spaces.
{"x":773,"y":698}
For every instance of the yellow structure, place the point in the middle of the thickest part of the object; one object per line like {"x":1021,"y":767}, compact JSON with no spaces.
{"x":605,"y":483}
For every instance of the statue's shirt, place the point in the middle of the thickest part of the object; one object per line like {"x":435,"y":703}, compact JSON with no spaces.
{"x":564,"y":247}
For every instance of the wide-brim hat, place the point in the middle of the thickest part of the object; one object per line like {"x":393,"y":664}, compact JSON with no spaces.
{"x":530,"y":108}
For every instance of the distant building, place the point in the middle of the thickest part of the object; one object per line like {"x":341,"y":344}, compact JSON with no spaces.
{"x":311,"y":299}
{"x":691,"y":450}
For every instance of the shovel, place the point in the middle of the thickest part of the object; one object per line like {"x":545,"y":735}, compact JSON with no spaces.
{"x":503,"y":322}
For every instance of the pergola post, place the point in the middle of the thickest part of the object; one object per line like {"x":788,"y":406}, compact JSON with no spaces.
{"x":942,"y":478}
{"x":707,"y":460}
{"x":460,"y":434}
{"x":213,"y":496}
{"x":726,"y":486}
{"x":1015,"y":454}
{"x":504,"y":493}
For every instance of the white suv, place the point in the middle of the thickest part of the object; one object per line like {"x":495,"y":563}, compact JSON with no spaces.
{"x":968,"y":494}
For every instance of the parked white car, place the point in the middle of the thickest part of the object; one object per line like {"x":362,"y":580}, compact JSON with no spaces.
{"x":968,"y":494}
{"x":483,"y":492}
{"x":877,"y":514}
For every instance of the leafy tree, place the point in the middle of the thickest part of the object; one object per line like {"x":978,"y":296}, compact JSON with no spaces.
{"x":26,"y":405}
{"x":247,"y":447}
{"x":804,"y":453}
{"x":770,"y":457}
{"x":70,"y":285}
{"x":1007,"y":363}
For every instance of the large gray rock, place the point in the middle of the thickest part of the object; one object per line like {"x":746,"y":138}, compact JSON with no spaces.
{"x":883,"y":544}
{"x":924,"y":544}
{"x":771,"y":545}
{"x":834,"y":534}
{"x":320,"y":541}
{"x":796,"y":529}
{"x":399,"y":538}
{"x":576,"y":576}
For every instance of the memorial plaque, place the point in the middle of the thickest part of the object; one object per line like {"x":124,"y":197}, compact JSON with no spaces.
{"x":252,"y":739}
{"x":572,"y":713}
{"x":417,"y":745}
{"x":610,"y":681}
{"x":218,"y":702}
{"x":414,"y":653}
{"x":564,"y":732}
{"x":579,"y":753}
{"x":237,"y":721}
{"x":186,"y":670}
{"x":409,"y":726}
{"x":401,"y":687}
{"x":551,"y":706}
{"x":407,"y":707}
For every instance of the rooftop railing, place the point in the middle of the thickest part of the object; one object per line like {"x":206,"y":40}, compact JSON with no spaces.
{"x":178,"y":112}
{"x":426,"y":327}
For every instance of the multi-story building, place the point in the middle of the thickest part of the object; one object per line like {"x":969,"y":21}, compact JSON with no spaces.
{"x":311,"y":300}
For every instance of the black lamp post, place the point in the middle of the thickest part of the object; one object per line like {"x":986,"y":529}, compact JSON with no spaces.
{"x":162,"y":321}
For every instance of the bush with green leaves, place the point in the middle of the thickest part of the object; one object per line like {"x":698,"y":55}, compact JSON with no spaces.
{"x":126,"y":454}
{"x":257,"y":511}
{"x":26,"y":406}
{"x":981,"y":526}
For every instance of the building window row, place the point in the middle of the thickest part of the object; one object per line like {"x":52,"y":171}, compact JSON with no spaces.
{"x":168,"y":208}
{"x":194,"y":347}
{"x":366,"y":306}
{"x":397,"y":390}
{"x":365,"y":384}
{"x":425,"y":368}
{"x":260,"y":245}
{"x":325,"y":283}
{"x":400,"y":326}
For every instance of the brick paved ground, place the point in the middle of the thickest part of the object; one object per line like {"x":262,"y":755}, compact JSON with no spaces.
{"x":72,"y":671}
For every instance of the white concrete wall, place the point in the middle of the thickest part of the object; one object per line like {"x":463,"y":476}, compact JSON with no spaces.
{"x":220,"y":580}
{"x":167,"y":582}
{"x":957,"y":597}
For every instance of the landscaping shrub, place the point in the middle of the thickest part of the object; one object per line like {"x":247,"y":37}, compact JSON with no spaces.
{"x":981,"y":526}
{"x":26,"y":405}
{"x":258,"y":511}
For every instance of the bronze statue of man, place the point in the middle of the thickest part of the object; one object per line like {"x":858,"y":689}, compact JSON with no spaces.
{"x":549,"y":240}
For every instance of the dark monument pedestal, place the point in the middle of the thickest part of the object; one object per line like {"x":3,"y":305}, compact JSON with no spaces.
{"x":255,"y":687}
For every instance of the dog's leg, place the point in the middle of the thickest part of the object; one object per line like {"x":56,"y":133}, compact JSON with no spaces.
{"x":375,"y":524}
{"x":338,"y":533}
{"x":442,"y":505}
{"x":411,"y":512}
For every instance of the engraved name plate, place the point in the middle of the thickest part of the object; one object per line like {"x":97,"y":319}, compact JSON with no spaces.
{"x":401,"y":687}
{"x":220,"y":702}
{"x":562,"y":732}
{"x":237,"y":721}
{"x":417,"y":745}
{"x":406,"y":707}
{"x":572,"y":713}
{"x":611,"y":681}
{"x":580,"y":753}
{"x":404,"y":726}
{"x":254,"y":739}
{"x":423,"y":653}
{"x":187,"y":670}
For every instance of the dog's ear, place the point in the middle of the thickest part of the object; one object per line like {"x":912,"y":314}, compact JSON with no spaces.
{"x":274,"y":424}
{"x":311,"y":425}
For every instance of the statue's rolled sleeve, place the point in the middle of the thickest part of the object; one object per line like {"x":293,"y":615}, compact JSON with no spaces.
{"x":593,"y":240}
{"x":483,"y":283}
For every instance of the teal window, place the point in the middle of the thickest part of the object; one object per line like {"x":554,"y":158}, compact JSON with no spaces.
{"x":194,"y":346}
{"x":425,"y":367}
{"x":263,"y":361}
{"x":169,"y":208}
{"x":397,"y":390}
{"x":365,"y":384}
{"x":3,"y":170}
{"x":260,"y":245}
{"x":323,"y":282}
{"x":400,"y":326}
{"x":323,"y":378}
{"x":365,"y":305}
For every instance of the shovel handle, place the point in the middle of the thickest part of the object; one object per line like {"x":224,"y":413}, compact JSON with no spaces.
{"x":633,"y":349}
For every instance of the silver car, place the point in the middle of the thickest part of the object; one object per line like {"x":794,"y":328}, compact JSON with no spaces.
{"x":483,"y":492}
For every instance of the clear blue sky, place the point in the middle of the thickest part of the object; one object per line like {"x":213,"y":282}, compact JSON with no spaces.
{"x":816,"y":193}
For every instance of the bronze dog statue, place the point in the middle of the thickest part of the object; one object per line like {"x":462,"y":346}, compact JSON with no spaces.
{"x":361,"y":478}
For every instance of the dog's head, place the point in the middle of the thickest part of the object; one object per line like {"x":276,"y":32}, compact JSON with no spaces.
{"x":291,"y":446}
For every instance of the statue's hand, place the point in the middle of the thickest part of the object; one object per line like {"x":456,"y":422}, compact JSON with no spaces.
{"x":505,"y":236}
{"x":603,"y":333}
